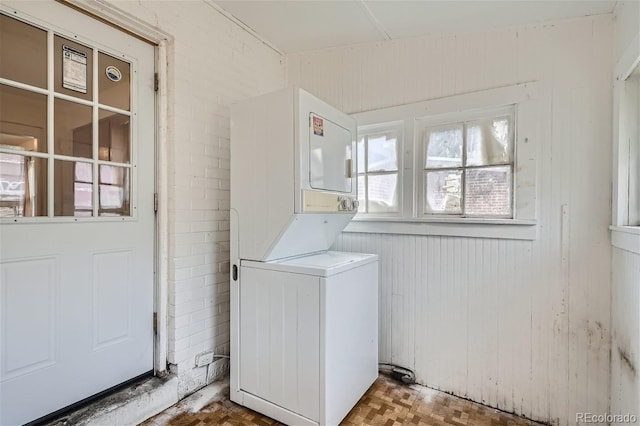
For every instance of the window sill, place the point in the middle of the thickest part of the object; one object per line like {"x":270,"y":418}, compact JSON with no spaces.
{"x":511,"y":229}
{"x":626,"y":238}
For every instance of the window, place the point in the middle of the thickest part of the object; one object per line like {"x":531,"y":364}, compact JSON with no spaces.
{"x":378,"y":170}
{"x":468,"y":166}
{"x":462,"y":165}
{"x":65,"y":142}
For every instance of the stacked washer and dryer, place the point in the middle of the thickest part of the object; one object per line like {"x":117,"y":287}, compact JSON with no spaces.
{"x":304,"y":320}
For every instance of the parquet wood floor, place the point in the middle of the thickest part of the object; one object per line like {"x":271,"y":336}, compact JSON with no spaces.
{"x":386,"y":403}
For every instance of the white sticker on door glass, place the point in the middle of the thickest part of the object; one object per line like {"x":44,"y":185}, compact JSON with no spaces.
{"x":113,"y":73}
{"x":74,"y":69}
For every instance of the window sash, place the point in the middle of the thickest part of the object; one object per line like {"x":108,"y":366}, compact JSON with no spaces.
{"x":378,"y":130}
{"x":428,"y":124}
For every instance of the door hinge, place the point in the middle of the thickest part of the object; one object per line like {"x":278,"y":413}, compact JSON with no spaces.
{"x":156,"y":82}
{"x":155,"y":323}
{"x":155,"y":202}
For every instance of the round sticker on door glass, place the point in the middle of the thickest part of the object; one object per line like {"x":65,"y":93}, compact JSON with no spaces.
{"x":113,"y":73}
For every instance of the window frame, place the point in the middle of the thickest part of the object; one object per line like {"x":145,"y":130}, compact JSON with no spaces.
{"x":623,"y":235}
{"x":527,"y":118}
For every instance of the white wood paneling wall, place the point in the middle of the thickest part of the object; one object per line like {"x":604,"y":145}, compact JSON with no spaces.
{"x":519,"y":325}
{"x":625,"y":359}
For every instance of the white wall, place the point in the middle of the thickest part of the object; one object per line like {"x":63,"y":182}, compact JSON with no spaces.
{"x":625,"y":309}
{"x":519,"y":325}
{"x":627,"y":23}
{"x":212,"y":63}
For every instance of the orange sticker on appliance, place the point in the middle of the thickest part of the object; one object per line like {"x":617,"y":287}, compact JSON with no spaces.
{"x":318,"y":126}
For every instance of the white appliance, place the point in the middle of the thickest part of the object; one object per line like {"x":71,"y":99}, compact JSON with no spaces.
{"x":304,"y":320}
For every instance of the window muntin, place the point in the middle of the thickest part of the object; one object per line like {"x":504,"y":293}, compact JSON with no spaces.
{"x":468,"y":165}
{"x":378,"y":169}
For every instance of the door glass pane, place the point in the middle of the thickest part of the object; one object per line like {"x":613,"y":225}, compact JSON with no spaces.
{"x":489,"y":141}
{"x":23,"y":119}
{"x":382,"y":193}
{"x":382,"y":152}
{"x":444,"y":146}
{"x":73,"y":189}
{"x":114,"y":191}
{"x":443,"y":192}
{"x":73,"y":68}
{"x":23,"y":52}
{"x":23,"y":186}
{"x":114,"y":137}
{"x":73,"y":129}
{"x":114,"y":82}
{"x":488,"y":191}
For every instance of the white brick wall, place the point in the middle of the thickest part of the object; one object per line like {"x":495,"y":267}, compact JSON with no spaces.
{"x":212,"y":63}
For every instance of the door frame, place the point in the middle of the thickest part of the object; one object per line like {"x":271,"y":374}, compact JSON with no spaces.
{"x":164,"y":42}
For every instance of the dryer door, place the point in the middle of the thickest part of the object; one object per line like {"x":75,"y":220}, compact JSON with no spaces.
{"x":330,"y":155}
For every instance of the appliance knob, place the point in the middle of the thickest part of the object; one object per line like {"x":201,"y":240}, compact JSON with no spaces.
{"x":344,"y":204}
{"x":355,"y":205}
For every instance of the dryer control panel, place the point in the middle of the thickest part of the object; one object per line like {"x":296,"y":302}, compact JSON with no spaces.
{"x":327,"y":202}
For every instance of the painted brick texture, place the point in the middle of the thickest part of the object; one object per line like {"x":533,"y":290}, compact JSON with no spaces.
{"x":212,"y":63}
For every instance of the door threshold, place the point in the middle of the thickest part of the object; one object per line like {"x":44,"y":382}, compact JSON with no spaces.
{"x":130,"y":403}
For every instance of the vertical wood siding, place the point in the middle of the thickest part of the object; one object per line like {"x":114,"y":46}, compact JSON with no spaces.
{"x":625,"y":314}
{"x":519,"y":325}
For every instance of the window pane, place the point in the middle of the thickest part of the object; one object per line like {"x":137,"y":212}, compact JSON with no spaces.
{"x":489,"y":141}
{"x":488,"y":191}
{"x":23,"y":186}
{"x":73,"y":129}
{"x":73,"y":68}
{"x":360,"y":147}
{"x":382,"y":153}
{"x":382,"y":193}
{"x":23,"y":52}
{"x":83,"y":198}
{"x":444,"y":146}
{"x":362,"y":208}
{"x":23,"y":119}
{"x":114,"y":82}
{"x":84,"y":172}
{"x":73,"y":189}
{"x":443,"y":192}
{"x":114,"y":191}
{"x":114,"y":137}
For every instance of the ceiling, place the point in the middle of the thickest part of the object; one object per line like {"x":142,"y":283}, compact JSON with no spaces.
{"x":293,"y":26}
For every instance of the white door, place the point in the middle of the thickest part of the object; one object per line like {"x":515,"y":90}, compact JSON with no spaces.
{"x":76,"y":200}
